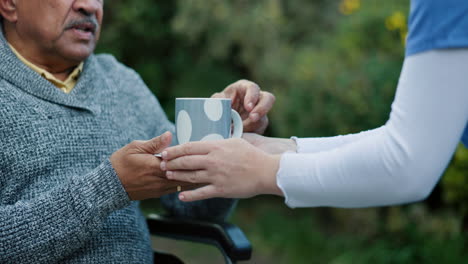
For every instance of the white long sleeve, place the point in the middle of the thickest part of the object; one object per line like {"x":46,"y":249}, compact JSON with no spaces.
{"x":397,"y":163}
{"x":317,"y":144}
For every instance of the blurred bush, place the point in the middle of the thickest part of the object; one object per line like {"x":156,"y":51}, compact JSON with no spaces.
{"x":410,"y":234}
{"x":455,"y":183}
{"x":332,"y":65}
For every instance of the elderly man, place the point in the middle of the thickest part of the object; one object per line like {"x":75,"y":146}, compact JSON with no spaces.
{"x":69,"y":176}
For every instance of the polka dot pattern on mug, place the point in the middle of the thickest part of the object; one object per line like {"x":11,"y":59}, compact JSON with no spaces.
{"x":184,"y":127}
{"x":212,"y":137}
{"x":213,"y":110}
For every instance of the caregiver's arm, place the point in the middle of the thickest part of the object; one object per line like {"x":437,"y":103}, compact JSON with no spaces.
{"x":317,"y":144}
{"x":399,"y":162}
{"x":304,"y":145}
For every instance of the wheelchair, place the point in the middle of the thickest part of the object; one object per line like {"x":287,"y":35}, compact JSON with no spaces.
{"x":227,"y":237}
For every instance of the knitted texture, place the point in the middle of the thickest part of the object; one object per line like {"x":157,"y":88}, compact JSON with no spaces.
{"x":60,"y":199}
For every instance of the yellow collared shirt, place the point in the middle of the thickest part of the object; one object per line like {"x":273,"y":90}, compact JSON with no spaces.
{"x":66,"y":86}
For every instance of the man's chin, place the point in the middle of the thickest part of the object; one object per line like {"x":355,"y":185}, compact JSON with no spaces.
{"x":78,"y":54}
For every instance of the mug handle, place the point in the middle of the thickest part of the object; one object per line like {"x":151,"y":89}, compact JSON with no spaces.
{"x":237,"y":121}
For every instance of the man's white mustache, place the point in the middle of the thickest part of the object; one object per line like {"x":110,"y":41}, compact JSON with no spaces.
{"x":87,"y":20}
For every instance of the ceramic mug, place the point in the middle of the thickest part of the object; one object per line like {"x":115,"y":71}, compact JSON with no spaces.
{"x":203,"y":119}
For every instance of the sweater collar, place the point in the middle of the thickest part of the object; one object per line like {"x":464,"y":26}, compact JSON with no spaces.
{"x":66,"y":85}
{"x":20,"y":75}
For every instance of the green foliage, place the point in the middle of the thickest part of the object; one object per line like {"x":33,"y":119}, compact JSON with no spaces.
{"x":455,"y":181}
{"x":345,"y":236}
{"x":340,"y":64}
{"x":342,"y":67}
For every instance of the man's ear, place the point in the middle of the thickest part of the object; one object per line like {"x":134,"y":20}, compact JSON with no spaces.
{"x":8,"y":10}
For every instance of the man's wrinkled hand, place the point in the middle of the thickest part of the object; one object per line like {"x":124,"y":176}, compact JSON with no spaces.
{"x":139,"y":170}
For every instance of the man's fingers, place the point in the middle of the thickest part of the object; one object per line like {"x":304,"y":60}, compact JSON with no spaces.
{"x":157,"y":144}
{"x":190,"y":148}
{"x":191,"y":162}
{"x":197,"y":176}
{"x":202,"y":193}
{"x":262,"y":125}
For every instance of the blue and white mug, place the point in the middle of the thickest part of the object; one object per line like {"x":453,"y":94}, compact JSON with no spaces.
{"x":203,"y":119}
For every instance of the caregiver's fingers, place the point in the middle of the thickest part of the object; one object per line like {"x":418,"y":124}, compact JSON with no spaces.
{"x":209,"y":191}
{"x":191,"y":162}
{"x":252,"y":95}
{"x":258,"y":127}
{"x":264,"y":105}
{"x":190,"y":148}
{"x":196,"y":176}
{"x":244,"y":91}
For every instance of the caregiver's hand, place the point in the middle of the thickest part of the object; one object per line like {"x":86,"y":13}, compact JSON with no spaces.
{"x":269,"y":144}
{"x":231,"y":168}
{"x":251,"y":103}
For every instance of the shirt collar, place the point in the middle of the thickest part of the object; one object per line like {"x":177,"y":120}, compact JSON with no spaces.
{"x":66,"y":86}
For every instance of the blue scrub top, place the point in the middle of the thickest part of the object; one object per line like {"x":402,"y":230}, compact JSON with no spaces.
{"x":438,"y":24}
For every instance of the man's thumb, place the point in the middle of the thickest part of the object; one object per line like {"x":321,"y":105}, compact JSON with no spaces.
{"x":157,"y":144}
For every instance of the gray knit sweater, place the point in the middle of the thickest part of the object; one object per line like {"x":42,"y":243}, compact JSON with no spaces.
{"x":60,"y":199}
